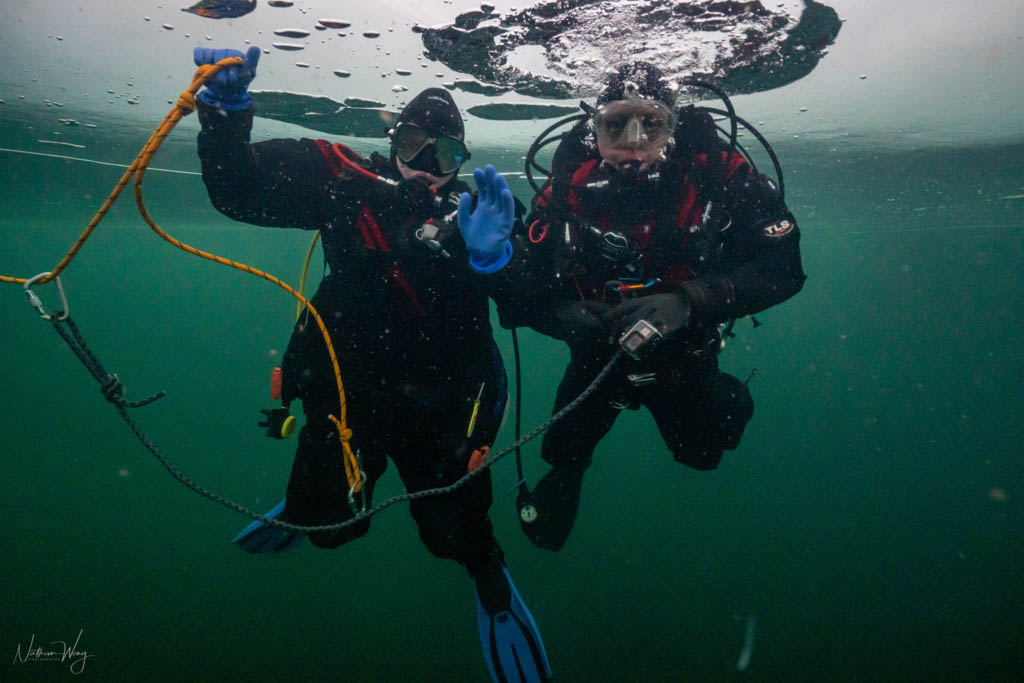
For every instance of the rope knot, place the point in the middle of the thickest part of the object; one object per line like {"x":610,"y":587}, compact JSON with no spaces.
{"x":344,"y":433}
{"x":186,"y":102}
{"x":113,"y":390}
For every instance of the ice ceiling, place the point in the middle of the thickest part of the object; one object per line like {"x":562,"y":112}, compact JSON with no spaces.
{"x":908,"y":73}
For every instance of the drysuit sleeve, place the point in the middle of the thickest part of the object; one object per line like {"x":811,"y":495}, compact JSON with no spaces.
{"x":280,"y":183}
{"x":760,"y":264}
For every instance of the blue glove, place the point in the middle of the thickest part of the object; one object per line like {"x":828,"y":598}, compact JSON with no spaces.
{"x":227,"y":90}
{"x":486,"y":230}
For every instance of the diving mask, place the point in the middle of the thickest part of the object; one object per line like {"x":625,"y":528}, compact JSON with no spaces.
{"x":411,"y":140}
{"x":634,"y":124}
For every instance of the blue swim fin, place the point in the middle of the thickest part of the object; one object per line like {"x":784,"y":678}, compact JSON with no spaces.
{"x":511,"y":642}
{"x":259,"y":537}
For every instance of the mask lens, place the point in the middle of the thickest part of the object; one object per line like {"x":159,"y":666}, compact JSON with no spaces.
{"x":614,"y":125}
{"x":653,"y":125}
{"x":451,"y":153}
{"x":410,"y":141}
{"x":639,"y":124}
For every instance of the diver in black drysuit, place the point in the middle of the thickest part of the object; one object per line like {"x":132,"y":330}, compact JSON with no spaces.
{"x":624,"y":233}
{"x":408,"y":316}
{"x":409,"y":325}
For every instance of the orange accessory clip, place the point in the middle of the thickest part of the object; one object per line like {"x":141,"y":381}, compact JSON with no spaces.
{"x":476,"y":460}
{"x":537,"y":239}
{"x":275,"y":384}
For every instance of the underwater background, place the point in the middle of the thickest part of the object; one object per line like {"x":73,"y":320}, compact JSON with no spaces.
{"x":870,"y":527}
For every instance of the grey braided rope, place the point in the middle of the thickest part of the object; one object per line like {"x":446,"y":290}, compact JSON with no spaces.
{"x":112,"y":390}
{"x":110,"y":385}
{"x":365,"y":514}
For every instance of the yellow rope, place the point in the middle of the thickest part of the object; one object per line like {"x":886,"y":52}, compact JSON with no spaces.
{"x":305,"y":271}
{"x":185,"y":105}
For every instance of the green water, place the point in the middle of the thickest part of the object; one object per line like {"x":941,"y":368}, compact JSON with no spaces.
{"x":871,"y":519}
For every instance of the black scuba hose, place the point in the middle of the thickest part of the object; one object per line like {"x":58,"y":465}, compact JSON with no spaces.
{"x":764,"y":143}
{"x":733,"y":128}
{"x":519,"y":409}
{"x":733,"y":134}
{"x":539,"y":142}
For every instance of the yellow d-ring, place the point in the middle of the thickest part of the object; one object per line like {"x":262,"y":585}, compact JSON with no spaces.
{"x":288,"y":426}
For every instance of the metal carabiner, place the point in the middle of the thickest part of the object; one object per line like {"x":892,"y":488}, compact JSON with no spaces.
{"x":353,"y":505}
{"x":361,"y":483}
{"x":427,"y":234}
{"x":37,"y":303}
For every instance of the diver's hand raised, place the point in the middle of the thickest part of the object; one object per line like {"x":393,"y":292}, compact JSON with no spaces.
{"x":228,"y":89}
{"x":486,"y":230}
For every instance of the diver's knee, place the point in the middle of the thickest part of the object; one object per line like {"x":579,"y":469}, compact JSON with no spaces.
{"x":724,"y":415}
{"x":335,"y":539}
{"x":699,"y":457}
{"x":441,"y":545}
{"x":571,"y":452}
{"x":734,"y":408}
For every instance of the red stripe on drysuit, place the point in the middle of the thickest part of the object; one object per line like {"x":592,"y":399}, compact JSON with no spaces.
{"x":410,"y":293}
{"x":329,"y":156}
{"x":375,"y":240}
{"x":579,"y":178}
{"x":373,"y":236}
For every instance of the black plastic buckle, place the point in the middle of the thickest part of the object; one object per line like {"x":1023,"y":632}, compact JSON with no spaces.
{"x":614,"y":246}
{"x":643,"y":379}
{"x":278,"y":422}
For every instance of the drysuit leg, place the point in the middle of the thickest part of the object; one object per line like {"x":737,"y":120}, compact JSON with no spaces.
{"x":701,"y":413}
{"x":568,"y":446}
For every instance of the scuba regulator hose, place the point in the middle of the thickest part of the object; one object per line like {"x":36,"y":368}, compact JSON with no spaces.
{"x":113,"y":389}
{"x":735,"y":121}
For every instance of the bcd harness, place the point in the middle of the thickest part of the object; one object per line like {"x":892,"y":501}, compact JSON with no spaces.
{"x":432,"y":234}
{"x":682,"y":238}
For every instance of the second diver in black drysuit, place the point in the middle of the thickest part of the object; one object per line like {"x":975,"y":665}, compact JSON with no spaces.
{"x":648,"y":218}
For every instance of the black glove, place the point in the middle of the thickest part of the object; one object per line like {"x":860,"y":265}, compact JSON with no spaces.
{"x":578,"y":322}
{"x":669,"y":313}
